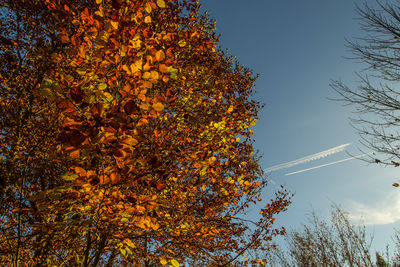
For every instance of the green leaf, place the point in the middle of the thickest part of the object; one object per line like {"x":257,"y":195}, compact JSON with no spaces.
{"x":175,"y":263}
{"x":87,"y":208}
{"x":173,"y":73}
{"x":203,"y":171}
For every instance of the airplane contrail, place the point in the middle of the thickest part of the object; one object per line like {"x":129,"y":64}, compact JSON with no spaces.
{"x":327,"y":164}
{"x":312,"y":157}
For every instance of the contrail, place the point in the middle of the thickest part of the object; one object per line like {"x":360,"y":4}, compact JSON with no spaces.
{"x":312,"y":157}
{"x":327,"y":164}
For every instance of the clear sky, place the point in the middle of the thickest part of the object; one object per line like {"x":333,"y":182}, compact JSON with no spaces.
{"x":298,"y":47}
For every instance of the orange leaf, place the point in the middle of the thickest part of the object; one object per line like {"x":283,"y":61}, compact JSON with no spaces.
{"x":154,"y":75}
{"x":114,"y":177}
{"x":142,"y":121}
{"x":75,"y":153}
{"x":147,"y":84}
{"x":130,"y":141}
{"x":160,"y":55}
{"x":158,"y":106}
{"x":80,"y":171}
{"x":163,"y":68}
{"x":66,"y":106}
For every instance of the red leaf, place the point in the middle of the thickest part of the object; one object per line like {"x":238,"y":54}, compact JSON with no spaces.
{"x":160,"y":186}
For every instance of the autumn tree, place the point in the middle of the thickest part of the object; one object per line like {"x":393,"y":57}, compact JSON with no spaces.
{"x":125,"y":138}
{"x":377,"y":97}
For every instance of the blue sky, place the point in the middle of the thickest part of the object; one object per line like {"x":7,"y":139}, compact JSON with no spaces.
{"x":298,"y":47}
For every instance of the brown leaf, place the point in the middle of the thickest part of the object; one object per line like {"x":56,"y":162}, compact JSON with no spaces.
{"x":66,"y":106}
{"x":131,"y":108}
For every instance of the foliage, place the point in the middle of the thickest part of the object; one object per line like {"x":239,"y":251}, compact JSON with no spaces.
{"x":377,"y":97}
{"x":125,"y":138}
{"x":333,"y":242}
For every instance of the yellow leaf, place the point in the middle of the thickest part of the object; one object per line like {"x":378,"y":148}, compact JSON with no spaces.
{"x":163,"y":260}
{"x":148,"y":8}
{"x":108,"y":96}
{"x":114,"y":24}
{"x":129,"y":243}
{"x":136,"y":66}
{"x":154,"y":226}
{"x":147,"y":19}
{"x":146,"y":75}
{"x":98,"y":2}
{"x":102,"y":86}
{"x":123,"y":50}
{"x":125,"y":68}
{"x":158,"y":106}
{"x":161,"y":3}
{"x":175,"y":263}
{"x":181,"y":43}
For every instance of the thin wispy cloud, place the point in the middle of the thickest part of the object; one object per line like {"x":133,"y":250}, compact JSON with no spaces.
{"x":309,"y":158}
{"x":327,"y":164}
{"x":384,"y":212}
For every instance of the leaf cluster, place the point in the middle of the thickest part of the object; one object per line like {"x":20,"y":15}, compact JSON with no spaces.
{"x":125,"y":138}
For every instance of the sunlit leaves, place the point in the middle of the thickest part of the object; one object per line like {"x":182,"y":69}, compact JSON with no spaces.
{"x":151,"y":157}
{"x":163,"y":261}
{"x":161,"y":3}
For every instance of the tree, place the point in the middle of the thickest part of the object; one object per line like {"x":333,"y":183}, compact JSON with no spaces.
{"x":377,"y":97}
{"x":333,"y":242}
{"x":126,"y":138}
